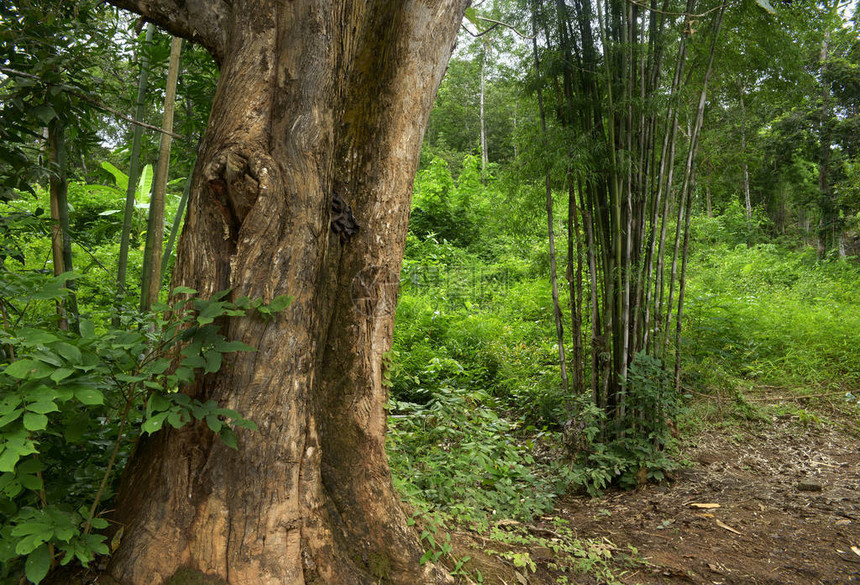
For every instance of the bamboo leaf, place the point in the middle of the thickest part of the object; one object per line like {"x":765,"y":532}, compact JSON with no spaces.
{"x":766,"y":5}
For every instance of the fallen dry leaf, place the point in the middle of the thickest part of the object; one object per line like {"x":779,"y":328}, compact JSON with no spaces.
{"x":727,"y":527}
{"x":704,"y":506}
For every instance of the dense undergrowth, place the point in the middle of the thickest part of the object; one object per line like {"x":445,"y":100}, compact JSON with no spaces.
{"x":477,"y":425}
{"x":480,"y":429}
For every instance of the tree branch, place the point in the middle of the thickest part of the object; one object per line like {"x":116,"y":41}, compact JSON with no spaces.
{"x":200,"y":21}
{"x":93,"y":101}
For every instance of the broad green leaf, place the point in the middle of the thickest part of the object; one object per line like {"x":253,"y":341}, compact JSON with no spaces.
{"x":280,"y":303}
{"x":210,"y":312}
{"x":183,"y":290}
{"x":68,"y":351}
{"x":87,"y":329}
{"x":8,"y":459}
{"x":154,"y":423}
{"x":38,"y":564}
{"x":35,"y":422}
{"x":159,"y":366}
{"x":61,"y":374}
{"x":89,"y":396}
{"x":44,"y":113}
{"x":177,"y":418}
{"x":185,"y":375}
{"x":49,"y":358}
{"x":8,"y":404}
{"x":10,"y":417}
{"x":43,"y":407}
{"x":229,"y":437}
{"x":30,"y":482}
{"x":244,"y":423}
{"x":32,"y":337}
{"x":103,"y":189}
{"x":214,"y":423}
{"x":31,"y":465}
{"x":144,"y":185}
{"x":158,"y":403}
{"x":22,"y":368}
{"x":213,"y":361}
{"x":120,"y":177}
{"x":96,"y":542}
{"x":231,"y":346}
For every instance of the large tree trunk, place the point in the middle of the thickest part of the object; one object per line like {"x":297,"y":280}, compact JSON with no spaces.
{"x":316,"y":98}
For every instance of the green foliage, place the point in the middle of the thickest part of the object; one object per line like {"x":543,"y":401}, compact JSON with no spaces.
{"x":456,"y":454}
{"x":642,"y":441}
{"x":772,"y":315}
{"x":72,"y":405}
{"x":571,"y":555}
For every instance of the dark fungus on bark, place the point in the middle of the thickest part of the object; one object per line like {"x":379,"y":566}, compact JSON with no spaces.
{"x":343,"y":222}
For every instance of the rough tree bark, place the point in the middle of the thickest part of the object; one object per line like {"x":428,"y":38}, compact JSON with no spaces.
{"x":316,"y":98}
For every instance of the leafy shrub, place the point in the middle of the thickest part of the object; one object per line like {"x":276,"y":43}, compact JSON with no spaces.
{"x":72,"y":405}
{"x":639,"y":445}
{"x":456,"y":454}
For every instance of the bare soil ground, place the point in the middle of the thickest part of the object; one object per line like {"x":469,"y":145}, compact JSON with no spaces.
{"x":788,"y":497}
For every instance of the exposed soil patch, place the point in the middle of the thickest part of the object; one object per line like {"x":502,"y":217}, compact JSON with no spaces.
{"x":789,"y":513}
{"x":789,"y":498}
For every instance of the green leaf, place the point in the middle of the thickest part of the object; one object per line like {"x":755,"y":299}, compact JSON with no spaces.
{"x":144,"y":185}
{"x":185,"y":374}
{"x":244,"y":423}
{"x":49,"y":358}
{"x":88,"y":331}
{"x":231,"y":346}
{"x":177,"y":418}
{"x":214,"y":423}
{"x":766,"y":5}
{"x":210,"y":312}
{"x":30,"y":482}
{"x":31,"y":337}
{"x":8,"y":459}
{"x":35,"y":422}
{"x":38,"y":564}
{"x":31,"y":465}
{"x":154,"y":423}
{"x":183,"y":290}
{"x":9,"y":403}
{"x":280,"y":303}
{"x":90,"y":396}
{"x":96,"y":543}
{"x":158,"y":403}
{"x":229,"y":437}
{"x":120,"y":177}
{"x":21,"y":369}
{"x":213,"y":361}
{"x":43,"y":407}
{"x":44,"y":113}
{"x":68,"y":351}
{"x":10,"y":417}
{"x":159,"y":366}
{"x":472,"y":16}
{"x":61,"y":374}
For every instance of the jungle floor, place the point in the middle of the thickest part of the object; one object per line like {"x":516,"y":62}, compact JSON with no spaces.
{"x":773,"y":501}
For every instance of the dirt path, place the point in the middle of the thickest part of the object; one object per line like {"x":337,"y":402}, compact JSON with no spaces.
{"x":788,"y":513}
